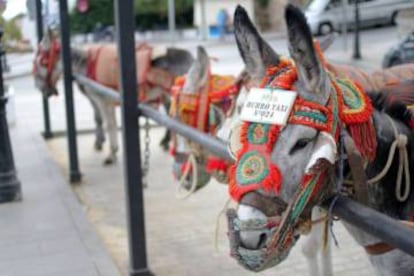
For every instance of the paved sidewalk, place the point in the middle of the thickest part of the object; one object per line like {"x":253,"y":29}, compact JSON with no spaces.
{"x":20,"y":65}
{"x":47,"y":233}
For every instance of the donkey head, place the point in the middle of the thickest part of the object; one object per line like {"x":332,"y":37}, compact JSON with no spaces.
{"x":275,"y":164}
{"x":194,"y":87}
{"x":47,"y":66}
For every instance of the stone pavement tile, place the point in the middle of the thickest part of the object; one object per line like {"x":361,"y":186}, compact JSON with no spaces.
{"x":19,"y":250}
{"x":57,"y":264}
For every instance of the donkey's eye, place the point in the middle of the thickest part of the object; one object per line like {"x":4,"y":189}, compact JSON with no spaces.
{"x":300,"y":144}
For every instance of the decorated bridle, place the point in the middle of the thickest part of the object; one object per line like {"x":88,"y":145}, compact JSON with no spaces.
{"x":199,"y":111}
{"x":347,"y":107}
{"x":48,"y":59}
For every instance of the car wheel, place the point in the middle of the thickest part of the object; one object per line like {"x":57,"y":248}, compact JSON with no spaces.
{"x":395,"y":61}
{"x":325,"y":28}
{"x":394,"y":18}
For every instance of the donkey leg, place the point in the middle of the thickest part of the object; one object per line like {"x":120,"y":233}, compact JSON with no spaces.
{"x":99,"y":131}
{"x":112,"y":133}
{"x":326,"y":257}
{"x":312,"y":245}
{"x":165,"y":141}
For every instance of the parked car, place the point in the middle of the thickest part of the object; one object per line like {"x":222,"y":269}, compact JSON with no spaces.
{"x":401,"y":53}
{"x":103,"y":33}
{"x":325,"y":16}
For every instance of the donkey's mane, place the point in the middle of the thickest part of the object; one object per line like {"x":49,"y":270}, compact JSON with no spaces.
{"x":385,"y":102}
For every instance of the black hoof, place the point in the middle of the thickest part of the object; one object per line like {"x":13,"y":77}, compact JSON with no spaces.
{"x":109,"y":161}
{"x":98,"y":146}
{"x":165,"y":146}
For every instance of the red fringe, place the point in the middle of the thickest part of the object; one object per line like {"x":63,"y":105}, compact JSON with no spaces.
{"x":273,"y":181}
{"x":216,"y":164}
{"x":364,"y":136}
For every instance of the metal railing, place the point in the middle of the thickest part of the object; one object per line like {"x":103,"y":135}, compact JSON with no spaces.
{"x":373,"y":222}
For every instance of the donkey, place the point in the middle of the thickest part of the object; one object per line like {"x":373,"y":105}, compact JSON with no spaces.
{"x":202,"y":100}
{"x":156,"y":72}
{"x":283,"y":171}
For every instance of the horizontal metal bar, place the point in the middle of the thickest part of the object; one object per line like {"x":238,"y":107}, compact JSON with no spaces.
{"x":379,"y":225}
{"x":371,"y":221}
{"x":87,"y":131}
{"x":209,"y":142}
{"x":104,"y":91}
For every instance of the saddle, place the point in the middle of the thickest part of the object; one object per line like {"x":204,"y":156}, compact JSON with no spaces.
{"x":102,"y":67}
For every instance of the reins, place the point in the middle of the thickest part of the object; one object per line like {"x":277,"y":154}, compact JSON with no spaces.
{"x":403,"y":167}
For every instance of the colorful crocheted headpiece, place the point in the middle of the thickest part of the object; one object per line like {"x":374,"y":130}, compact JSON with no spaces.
{"x":347,"y":105}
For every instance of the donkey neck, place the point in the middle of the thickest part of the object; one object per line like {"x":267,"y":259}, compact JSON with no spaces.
{"x":79,"y":60}
{"x":382,"y":198}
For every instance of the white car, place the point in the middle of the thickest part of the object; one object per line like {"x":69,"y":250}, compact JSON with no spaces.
{"x":325,"y":16}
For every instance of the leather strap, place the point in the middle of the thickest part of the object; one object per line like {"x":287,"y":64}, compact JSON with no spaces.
{"x":382,"y":247}
{"x":378,"y":248}
{"x":269,"y":206}
{"x":357,"y":170}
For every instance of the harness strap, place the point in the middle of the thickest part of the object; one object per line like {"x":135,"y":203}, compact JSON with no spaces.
{"x":92,"y":61}
{"x":383,"y":247}
{"x":269,"y":206}
{"x":378,"y":248}
{"x":51,"y":60}
{"x":357,"y":170}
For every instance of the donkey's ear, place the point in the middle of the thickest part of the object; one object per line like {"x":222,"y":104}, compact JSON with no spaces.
{"x":255,"y":52}
{"x":197,"y":75}
{"x":204,"y":61}
{"x":310,"y":70}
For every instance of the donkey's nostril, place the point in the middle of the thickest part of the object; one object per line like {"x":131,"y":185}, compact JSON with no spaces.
{"x":253,"y":239}
{"x":262,"y":241}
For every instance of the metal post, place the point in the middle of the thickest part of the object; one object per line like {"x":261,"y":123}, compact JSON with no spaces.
{"x":125,"y":26}
{"x":344,"y":26}
{"x":204,"y":28}
{"x":47,"y":134}
{"x":75,"y":175}
{"x":9,"y":184}
{"x":357,"y":52}
{"x":171,"y":19}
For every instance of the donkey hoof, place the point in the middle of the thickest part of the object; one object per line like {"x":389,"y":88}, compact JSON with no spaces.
{"x":98,"y":146}
{"x":164,"y":146}
{"x":109,"y":160}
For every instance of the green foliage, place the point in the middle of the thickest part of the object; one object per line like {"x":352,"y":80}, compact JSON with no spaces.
{"x":100,"y":11}
{"x":149,"y":14}
{"x":263,"y":3}
{"x":11,"y":29}
{"x":153,"y":14}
